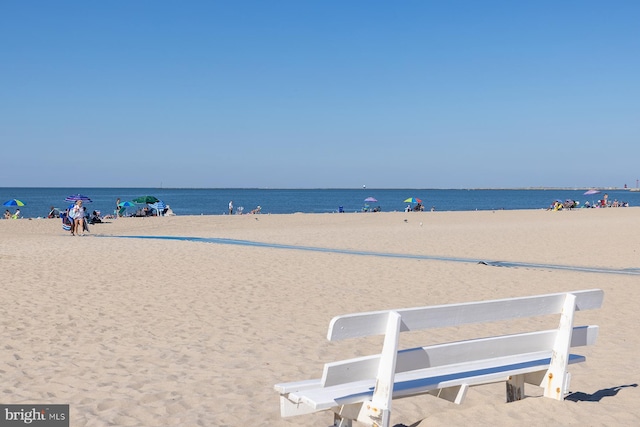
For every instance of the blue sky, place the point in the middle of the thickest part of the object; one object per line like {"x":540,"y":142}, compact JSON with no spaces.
{"x":320,"y":94}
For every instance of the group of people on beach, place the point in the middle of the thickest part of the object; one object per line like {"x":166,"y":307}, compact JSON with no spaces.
{"x":240,"y":209}
{"x":417,"y":208}
{"x":572,"y":204}
{"x":9,"y":215}
{"x":121,"y":211}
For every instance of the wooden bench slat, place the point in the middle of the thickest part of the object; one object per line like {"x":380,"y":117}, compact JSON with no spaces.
{"x":298,"y":385}
{"x":363,"y":368}
{"x":440,"y":316}
{"x":419,"y":382}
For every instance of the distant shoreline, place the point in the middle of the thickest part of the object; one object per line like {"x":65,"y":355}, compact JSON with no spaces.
{"x":349,"y":188}
{"x":39,"y":201}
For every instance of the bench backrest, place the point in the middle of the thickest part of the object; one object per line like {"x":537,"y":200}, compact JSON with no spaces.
{"x":440,"y":316}
{"x":381,"y":322}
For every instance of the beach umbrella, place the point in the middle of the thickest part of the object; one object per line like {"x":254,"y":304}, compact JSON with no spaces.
{"x":412,"y":200}
{"x":146,"y":199}
{"x":590,"y":192}
{"x":13,"y":202}
{"x":122,"y":207}
{"x":76,"y":197}
{"x":370,"y":199}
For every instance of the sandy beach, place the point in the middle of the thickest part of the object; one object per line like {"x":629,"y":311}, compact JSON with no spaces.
{"x":166,"y":332}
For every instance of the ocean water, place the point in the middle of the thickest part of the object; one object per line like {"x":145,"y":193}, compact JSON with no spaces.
{"x":283,"y":201}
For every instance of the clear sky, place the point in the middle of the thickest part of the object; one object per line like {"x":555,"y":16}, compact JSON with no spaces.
{"x":320,"y":94}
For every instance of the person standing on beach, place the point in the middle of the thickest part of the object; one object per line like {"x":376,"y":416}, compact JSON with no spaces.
{"x":231,"y":207}
{"x":118,"y":207}
{"x":77,"y":213}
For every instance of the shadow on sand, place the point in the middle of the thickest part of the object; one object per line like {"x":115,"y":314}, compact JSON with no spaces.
{"x":598,"y":395}
{"x":416,"y":424}
{"x":574,"y":397}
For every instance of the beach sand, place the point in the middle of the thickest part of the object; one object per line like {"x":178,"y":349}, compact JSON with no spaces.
{"x":160,"y":332}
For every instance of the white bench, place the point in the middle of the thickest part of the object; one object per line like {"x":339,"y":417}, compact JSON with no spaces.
{"x":362,"y":389}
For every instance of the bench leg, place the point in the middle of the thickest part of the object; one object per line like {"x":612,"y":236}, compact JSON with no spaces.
{"x":515,"y":388}
{"x":556,"y":381}
{"x":338,"y":421}
{"x":379,"y":412}
{"x":452,"y":394}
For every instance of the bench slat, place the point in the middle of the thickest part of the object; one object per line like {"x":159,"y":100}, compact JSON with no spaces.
{"x":297,"y":385}
{"x":366,"y":367}
{"x":436,"y":355}
{"x":422,"y":381}
{"x":375,"y":322}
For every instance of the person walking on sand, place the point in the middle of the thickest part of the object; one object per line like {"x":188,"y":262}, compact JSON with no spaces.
{"x":231,"y":207}
{"x":77,"y":213}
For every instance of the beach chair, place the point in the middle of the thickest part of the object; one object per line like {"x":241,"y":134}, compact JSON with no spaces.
{"x":95,"y":218}
{"x":66,"y":222}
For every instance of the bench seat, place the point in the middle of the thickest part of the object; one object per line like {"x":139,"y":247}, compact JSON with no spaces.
{"x":418,"y":382}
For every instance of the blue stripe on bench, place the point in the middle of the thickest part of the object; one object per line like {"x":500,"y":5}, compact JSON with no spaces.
{"x":425,"y":383}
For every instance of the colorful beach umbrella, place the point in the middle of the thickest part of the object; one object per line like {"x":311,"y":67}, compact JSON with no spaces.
{"x":370,"y":199}
{"x":590,"y":192}
{"x":122,"y":207}
{"x":412,"y":200}
{"x":76,"y":197}
{"x":13,"y":202}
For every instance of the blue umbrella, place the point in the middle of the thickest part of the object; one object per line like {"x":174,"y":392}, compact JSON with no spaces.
{"x":76,"y":197}
{"x":122,"y":207}
{"x":13,"y":202}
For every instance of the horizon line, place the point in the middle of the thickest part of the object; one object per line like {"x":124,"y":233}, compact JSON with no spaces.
{"x":576,"y":188}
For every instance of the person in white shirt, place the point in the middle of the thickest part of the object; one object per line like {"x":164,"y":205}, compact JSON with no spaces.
{"x":77,"y":213}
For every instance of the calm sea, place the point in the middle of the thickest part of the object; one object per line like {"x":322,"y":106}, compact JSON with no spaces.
{"x":280,"y":201}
